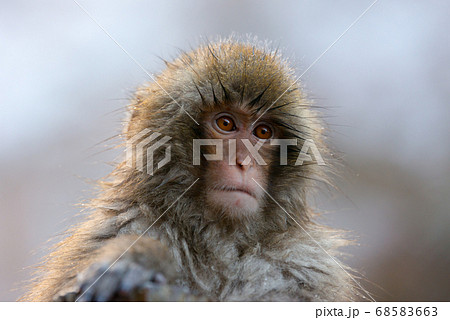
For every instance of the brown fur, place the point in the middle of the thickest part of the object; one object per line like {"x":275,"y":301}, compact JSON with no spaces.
{"x":268,"y":258}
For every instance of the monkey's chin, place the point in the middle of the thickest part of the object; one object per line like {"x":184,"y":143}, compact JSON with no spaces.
{"x":234,"y":203}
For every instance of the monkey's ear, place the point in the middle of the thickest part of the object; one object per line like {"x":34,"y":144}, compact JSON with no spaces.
{"x":132,"y":122}
{"x":140,"y":101}
{"x":129,"y":115}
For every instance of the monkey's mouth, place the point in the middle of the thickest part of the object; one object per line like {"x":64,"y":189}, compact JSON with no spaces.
{"x":236,"y":189}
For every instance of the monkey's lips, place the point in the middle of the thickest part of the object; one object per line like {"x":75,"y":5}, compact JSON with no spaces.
{"x":236,"y":198}
{"x":239,"y":189}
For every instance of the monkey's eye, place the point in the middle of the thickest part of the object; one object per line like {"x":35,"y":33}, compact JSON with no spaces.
{"x":225,"y":123}
{"x":263,"y":131}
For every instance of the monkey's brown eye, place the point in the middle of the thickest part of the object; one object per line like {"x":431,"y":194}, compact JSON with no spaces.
{"x":263,"y":131}
{"x":225,"y":123}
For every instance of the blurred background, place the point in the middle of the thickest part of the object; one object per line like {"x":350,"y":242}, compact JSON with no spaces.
{"x":64,"y":85}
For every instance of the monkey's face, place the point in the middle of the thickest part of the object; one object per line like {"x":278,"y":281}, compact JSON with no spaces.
{"x":232,"y":182}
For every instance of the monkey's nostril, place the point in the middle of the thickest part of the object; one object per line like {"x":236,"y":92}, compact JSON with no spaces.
{"x":245,"y":163}
{"x":242,"y":166}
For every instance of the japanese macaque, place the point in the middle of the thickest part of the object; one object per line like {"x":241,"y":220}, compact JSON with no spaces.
{"x":229,"y":228}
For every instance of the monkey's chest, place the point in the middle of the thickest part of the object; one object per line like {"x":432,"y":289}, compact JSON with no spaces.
{"x":248,"y":278}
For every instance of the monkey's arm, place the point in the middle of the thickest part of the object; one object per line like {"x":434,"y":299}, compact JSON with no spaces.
{"x":123,"y":271}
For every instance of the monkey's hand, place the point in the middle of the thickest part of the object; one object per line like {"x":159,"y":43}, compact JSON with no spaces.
{"x":145,"y":272}
{"x":122,"y":281}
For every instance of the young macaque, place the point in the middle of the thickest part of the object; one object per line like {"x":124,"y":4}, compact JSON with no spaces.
{"x":226,"y":219}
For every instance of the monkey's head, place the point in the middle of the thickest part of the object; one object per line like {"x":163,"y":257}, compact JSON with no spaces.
{"x":244,"y":98}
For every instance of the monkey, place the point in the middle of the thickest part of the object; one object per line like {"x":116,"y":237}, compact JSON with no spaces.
{"x":233,"y":229}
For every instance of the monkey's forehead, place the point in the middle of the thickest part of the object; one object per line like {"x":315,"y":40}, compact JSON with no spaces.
{"x":231,"y":72}
{"x":237,"y":60}
{"x":228,"y":74}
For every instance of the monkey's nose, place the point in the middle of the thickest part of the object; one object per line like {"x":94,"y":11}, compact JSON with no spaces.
{"x":244,"y":163}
